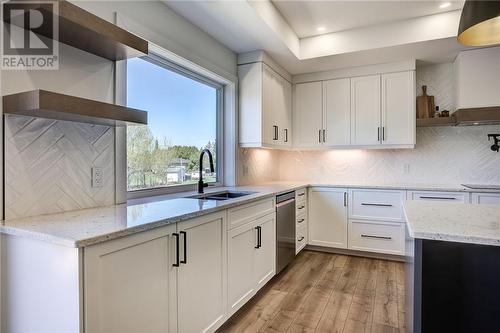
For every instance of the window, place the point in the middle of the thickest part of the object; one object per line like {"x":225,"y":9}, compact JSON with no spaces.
{"x":184,"y":113}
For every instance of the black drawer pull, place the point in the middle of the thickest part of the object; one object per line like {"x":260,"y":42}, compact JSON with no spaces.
{"x":437,"y":198}
{"x":301,"y":220}
{"x":259,"y":237}
{"x":301,"y":194}
{"x":377,"y":237}
{"x":301,"y":239}
{"x":375,"y":204}
{"x":301,"y":207}
{"x":176,"y":235}
{"x":184,"y":261}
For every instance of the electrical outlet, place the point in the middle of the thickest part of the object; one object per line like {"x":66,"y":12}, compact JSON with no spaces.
{"x":97,"y":177}
{"x":406,"y":168}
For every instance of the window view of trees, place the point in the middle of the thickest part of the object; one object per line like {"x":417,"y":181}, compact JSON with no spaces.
{"x":182,"y":121}
{"x":151,"y":163}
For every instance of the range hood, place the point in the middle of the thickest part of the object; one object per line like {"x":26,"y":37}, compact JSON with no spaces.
{"x":478,"y":116}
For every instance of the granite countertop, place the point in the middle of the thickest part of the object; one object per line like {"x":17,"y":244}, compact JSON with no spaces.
{"x":91,"y":226}
{"x":453,"y":222}
{"x":87,"y":227}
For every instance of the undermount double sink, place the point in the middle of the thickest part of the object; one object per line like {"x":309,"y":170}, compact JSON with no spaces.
{"x":222,"y":195}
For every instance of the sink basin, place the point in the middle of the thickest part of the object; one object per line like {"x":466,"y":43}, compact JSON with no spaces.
{"x":224,"y":195}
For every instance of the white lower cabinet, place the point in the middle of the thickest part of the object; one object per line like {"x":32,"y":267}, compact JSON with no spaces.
{"x":381,"y":237}
{"x":462,"y":197}
{"x":486,"y":198}
{"x":251,"y":259}
{"x":328,"y":217}
{"x":155,"y":281}
{"x":201,"y":276}
{"x":130,"y":284}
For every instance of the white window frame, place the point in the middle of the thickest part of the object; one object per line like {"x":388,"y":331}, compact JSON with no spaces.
{"x":169,"y":61}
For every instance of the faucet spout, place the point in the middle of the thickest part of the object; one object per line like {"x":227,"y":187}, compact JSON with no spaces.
{"x":201,"y":184}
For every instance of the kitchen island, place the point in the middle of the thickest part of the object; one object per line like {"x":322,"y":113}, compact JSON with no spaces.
{"x":452,"y":270}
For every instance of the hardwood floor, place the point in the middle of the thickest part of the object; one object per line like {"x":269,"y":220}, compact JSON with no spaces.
{"x":323,"y":292}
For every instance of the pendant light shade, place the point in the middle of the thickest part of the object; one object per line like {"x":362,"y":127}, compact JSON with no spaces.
{"x":480,"y":23}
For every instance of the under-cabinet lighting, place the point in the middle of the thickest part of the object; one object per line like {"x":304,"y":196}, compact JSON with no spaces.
{"x":445,"y":5}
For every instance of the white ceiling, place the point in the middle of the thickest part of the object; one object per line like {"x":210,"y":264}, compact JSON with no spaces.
{"x":306,"y":16}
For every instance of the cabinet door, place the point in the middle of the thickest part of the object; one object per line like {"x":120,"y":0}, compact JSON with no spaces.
{"x":365,"y":110}
{"x":265,"y":254}
{"x":201,"y":277}
{"x":337,"y":112}
{"x":130,"y":284}
{"x":242,"y":242}
{"x":270,"y":126}
{"x":286,"y":123}
{"x":328,"y":217}
{"x":398,"y":108}
{"x":307,"y":115}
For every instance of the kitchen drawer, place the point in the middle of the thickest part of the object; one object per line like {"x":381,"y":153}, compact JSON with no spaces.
{"x":486,"y":198}
{"x":384,"y":205}
{"x":301,"y":196}
{"x":301,"y":220}
{"x":301,"y":240}
{"x":300,"y":208}
{"x":374,"y":236}
{"x":245,"y":213}
{"x":439,"y":196}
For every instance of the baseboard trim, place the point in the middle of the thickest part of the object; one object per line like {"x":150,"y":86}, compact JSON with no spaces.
{"x":356,"y":253}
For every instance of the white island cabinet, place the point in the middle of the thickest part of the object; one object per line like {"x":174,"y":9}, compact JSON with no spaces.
{"x":169,"y":279}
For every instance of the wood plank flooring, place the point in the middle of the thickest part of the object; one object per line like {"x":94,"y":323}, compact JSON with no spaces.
{"x":323,"y":292}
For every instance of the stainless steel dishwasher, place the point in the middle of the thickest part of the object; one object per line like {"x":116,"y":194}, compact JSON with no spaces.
{"x":285,"y":230}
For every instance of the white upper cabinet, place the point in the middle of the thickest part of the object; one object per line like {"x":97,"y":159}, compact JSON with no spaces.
{"x":365,"y":110}
{"x":362,"y":111}
{"x":308,"y":115}
{"x":337,"y":112}
{"x":398,"y":108}
{"x":265,"y":107}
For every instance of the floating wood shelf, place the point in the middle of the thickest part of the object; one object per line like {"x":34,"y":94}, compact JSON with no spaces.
{"x":46,"y":104}
{"x":441,"y":121}
{"x":478,"y":116}
{"x":90,"y":33}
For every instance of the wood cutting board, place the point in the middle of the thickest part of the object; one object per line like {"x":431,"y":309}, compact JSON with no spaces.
{"x":425,"y":105}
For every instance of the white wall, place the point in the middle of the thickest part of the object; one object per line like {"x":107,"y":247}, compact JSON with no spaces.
{"x":49,"y":162}
{"x":443,"y":155}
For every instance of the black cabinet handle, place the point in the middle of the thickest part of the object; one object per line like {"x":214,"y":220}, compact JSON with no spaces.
{"x":301,"y":239}
{"x":301,"y":194}
{"x":258,"y":228}
{"x":176,"y":235}
{"x":378,"y":133}
{"x":376,"y":237}
{"x":184,"y":261}
{"x":260,"y":236}
{"x":319,"y":137}
{"x":324,"y":135}
{"x":383,"y":133}
{"x":345,"y":199}
{"x":301,"y":220}
{"x":438,"y":198}
{"x":375,"y":204}
{"x":286,"y":135}
{"x":275,"y":132}
{"x":301,"y":207}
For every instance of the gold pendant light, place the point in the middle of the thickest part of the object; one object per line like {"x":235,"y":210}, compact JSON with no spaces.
{"x":480,"y":23}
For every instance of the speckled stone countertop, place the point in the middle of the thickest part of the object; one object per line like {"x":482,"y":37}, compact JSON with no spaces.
{"x":453,"y":222}
{"x":91,"y":226}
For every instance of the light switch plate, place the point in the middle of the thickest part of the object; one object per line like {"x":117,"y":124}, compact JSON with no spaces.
{"x":97,"y":177}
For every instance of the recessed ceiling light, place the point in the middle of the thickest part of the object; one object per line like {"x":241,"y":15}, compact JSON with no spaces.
{"x":445,"y":5}
{"x":320,"y":29}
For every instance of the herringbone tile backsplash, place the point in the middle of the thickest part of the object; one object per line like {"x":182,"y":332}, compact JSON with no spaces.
{"x":48,"y":166}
